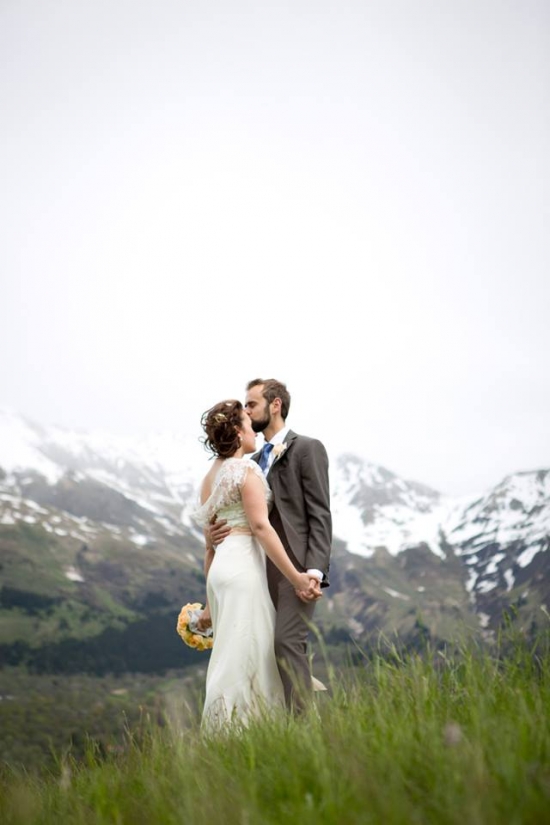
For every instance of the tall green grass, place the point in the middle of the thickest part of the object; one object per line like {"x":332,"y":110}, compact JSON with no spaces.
{"x":437,"y":738}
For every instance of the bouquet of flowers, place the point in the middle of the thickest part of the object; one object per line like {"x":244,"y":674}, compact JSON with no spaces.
{"x":188,"y":630}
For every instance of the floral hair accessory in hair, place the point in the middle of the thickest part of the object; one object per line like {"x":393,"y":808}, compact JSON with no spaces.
{"x":219,"y":418}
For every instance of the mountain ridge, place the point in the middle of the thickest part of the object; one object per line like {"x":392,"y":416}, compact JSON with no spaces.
{"x":106,"y":525}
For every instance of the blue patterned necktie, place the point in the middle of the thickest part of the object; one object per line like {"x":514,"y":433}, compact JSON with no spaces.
{"x":264,"y":456}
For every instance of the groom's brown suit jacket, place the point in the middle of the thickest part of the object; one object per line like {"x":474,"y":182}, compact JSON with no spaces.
{"x":301,"y":502}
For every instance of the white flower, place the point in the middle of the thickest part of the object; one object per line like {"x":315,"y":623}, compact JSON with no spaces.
{"x":278,"y":450}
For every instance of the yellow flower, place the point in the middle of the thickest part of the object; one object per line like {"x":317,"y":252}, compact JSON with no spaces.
{"x":182,"y":627}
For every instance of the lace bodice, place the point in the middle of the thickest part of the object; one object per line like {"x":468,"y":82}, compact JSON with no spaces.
{"x":225,"y":501}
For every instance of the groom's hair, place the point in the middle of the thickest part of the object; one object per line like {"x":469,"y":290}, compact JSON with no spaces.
{"x":273,"y":389}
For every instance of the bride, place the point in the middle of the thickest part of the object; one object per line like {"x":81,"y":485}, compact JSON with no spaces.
{"x":242,"y":678}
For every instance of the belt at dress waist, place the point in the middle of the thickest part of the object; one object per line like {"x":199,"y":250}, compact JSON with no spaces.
{"x":241,"y":531}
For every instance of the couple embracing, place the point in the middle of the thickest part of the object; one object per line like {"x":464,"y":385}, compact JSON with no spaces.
{"x":275,"y":505}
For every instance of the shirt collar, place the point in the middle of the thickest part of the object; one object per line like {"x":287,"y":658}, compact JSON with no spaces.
{"x":279,"y":437}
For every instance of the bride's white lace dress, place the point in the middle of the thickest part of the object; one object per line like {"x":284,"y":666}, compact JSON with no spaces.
{"x":242,"y":679}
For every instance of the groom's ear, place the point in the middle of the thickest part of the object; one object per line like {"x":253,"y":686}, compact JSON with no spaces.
{"x":277,"y":405}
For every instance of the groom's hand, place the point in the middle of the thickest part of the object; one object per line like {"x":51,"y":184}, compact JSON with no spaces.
{"x":218,"y":531}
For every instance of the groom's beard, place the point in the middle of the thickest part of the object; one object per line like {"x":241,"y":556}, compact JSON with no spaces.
{"x":259,"y":426}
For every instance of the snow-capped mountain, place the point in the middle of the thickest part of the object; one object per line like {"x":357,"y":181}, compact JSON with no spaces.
{"x":372,"y":507}
{"x":500,"y":538}
{"x":115,"y":514}
{"x":503,"y":538}
{"x":515,"y":515}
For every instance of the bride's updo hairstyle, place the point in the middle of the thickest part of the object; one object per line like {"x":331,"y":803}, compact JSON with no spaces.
{"x":220,"y":425}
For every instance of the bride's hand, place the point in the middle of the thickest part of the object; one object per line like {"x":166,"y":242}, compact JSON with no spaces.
{"x":205,"y":620}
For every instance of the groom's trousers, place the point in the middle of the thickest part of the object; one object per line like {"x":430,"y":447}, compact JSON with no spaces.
{"x":291,"y":631}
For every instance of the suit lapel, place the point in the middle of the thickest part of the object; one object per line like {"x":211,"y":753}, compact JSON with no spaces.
{"x":289,"y":440}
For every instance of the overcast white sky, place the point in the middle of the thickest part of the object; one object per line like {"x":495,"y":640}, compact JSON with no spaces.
{"x":351,"y":196}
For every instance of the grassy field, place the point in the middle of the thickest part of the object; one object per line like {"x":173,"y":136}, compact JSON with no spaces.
{"x":438,"y":738}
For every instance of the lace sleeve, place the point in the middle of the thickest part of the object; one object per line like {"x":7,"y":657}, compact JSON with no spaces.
{"x":226,"y":490}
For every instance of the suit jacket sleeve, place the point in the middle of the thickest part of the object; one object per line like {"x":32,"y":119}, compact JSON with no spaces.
{"x":315,"y":486}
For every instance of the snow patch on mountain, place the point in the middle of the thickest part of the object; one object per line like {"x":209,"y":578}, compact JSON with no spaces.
{"x":73,"y":575}
{"x":395,"y":594}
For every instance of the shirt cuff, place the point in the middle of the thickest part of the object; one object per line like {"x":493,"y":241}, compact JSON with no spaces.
{"x":315,"y":574}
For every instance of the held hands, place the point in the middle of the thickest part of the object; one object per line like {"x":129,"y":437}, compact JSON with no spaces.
{"x":309,"y":589}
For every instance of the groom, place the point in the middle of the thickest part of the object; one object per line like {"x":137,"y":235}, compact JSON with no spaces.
{"x":296,"y":468}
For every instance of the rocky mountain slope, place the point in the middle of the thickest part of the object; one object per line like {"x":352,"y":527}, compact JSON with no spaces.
{"x":98,"y":551}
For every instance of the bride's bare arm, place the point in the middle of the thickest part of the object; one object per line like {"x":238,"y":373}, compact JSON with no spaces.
{"x":205,"y":620}
{"x":255,"y":508}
